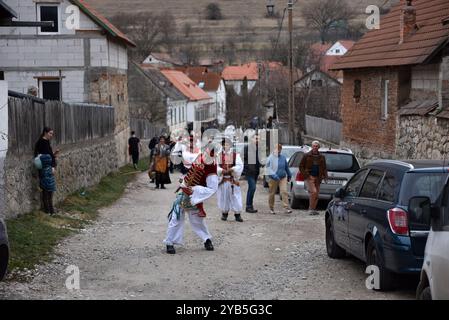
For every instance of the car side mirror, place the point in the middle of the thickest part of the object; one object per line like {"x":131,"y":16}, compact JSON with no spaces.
{"x":340,"y":193}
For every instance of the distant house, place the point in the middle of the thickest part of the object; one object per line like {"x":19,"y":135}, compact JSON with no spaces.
{"x":395,"y":95}
{"x":319,"y":94}
{"x":154,"y":101}
{"x":235,"y":76}
{"x":201,"y":111}
{"x":162,"y":60}
{"x":214,"y":85}
{"x":85,"y":62}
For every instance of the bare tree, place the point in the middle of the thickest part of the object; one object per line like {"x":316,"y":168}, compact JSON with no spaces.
{"x":325,"y":15}
{"x":187,"y":29}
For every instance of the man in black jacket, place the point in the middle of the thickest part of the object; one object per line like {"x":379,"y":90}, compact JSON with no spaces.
{"x":252,"y":171}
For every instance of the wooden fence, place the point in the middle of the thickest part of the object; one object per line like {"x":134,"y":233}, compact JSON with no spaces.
{"x":72,"y":123}
{"x":324,"y":129}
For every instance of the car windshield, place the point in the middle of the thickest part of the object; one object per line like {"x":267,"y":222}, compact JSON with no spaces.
{"x":416,"y":184}
{"x":288,"y":152}
{"x":341,"y":162}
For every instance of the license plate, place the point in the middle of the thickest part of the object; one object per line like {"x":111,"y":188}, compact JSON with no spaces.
{"x":339,"y":182}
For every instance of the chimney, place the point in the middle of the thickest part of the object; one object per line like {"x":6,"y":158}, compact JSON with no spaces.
{"x":408,"y":20}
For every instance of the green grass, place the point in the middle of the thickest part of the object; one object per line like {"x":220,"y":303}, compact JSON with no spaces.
{"x":33,"y":236}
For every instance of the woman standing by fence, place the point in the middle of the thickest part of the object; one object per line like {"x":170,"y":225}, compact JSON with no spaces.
{"x":47,"y":157}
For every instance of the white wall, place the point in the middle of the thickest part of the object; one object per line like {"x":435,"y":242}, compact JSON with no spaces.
{"x":238,"y":86}
{"x":3,"y":139}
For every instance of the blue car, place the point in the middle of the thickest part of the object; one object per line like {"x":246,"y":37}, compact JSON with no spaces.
{"x":370,"y":218}
{"x":4,"y":250}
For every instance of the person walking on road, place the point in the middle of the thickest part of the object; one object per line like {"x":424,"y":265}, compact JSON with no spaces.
{"x":134,"y":147}
{"x":160,"y":163}
{"x":252,"y":171}
{"x":278,"y":176}
{"x":313,"y":168}
{"x":230,"y":169}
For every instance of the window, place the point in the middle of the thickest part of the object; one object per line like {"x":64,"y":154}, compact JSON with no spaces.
{"x":49,"y":13}
{"x":388,"y":189}
{"x":353,"y":187}
{"x":50,"y":89}
{"x":371,"y":185}
{"x":341,"y":162}
{"x":357,"y":90}
{"x":385,"y":87}
{"x":337,"y":50}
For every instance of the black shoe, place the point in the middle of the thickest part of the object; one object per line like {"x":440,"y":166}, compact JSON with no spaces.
{"x":224,"y":216}
{"x":251,"y":210}
{"x":238,"y":218}
{"x":171,"y":250}
{"x":208,"y":245}
{"x":163,"y":188}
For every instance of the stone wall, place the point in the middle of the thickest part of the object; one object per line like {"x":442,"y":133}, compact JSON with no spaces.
{"x":423,"y":138}
{"x":79,"y":166}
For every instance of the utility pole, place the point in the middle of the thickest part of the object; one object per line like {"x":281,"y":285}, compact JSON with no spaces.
{"x":291,"y":96}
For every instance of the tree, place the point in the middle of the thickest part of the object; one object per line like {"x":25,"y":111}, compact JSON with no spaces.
{"x":213,"y":12}
{"x":326,"y":15}
{"x":187,"y":29}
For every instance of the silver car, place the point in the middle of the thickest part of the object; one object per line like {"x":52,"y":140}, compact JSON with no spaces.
{"x":341,"y":166}
{"x":4,"y":249}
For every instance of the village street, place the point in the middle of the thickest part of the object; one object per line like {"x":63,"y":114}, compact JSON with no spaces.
{"x":121,"y":256}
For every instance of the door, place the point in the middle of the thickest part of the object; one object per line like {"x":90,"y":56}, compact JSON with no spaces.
{"x":343,"y":206}
{"x":364,"y":208}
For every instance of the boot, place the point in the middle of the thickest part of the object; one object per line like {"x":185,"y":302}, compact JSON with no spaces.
{"x":201,"y":213}
{"x":171,"y":249}
{"x":208,"y":245}
{"x":238,"y":217}
{"x":224,"y":216}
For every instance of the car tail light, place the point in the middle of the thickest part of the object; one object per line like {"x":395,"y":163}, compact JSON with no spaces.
{"x":398,"y":220}
{"x":299,"y":177}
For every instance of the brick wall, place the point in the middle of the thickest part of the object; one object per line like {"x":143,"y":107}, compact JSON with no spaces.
{"x":363,"y":129}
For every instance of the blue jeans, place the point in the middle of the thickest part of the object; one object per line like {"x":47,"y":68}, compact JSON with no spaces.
{"x":252,"y":183}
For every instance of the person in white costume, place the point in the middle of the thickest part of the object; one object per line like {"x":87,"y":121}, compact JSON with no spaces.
{"x":198,"y":185}
{"x":229,"y":171}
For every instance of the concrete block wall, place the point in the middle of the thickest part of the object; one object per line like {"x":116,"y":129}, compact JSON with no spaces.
{"x":26,"y":9}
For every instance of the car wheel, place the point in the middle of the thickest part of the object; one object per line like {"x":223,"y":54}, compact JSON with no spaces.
{"x":425,"y":294}
{"x":4,"y":257}
{"x":373,"y":258}
{"x":334,"y":251}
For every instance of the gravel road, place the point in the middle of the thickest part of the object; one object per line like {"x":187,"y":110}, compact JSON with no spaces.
{"x":121,"y":256}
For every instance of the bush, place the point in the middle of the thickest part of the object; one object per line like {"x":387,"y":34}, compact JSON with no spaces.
{"x":213,"y":12}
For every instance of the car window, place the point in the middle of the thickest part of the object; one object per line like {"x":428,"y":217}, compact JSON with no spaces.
{"x":388,"y":188}
{"x":371,"y":185}
{"x":288,"y":152}
{"x":297,"y":160}
{"x":419,"y":184}
{"x":354,"y":185}
{"x":341,"y":162}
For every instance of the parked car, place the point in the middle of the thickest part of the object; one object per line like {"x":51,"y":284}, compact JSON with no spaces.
{"x":372,"y":217}
{"x":4,"y":249}
{"x":434,"y":281}
{"x":341,"y":166}
{"x":288,"y":152}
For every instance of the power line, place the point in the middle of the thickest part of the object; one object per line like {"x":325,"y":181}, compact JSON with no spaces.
{"x":279,"y":34}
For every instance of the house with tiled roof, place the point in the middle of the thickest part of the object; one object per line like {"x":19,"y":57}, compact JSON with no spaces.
{"x":154,"y":101}
{"x":214,"y":85}
{"x":81,"y":58}
{"x":235,"y":76}
{"x":395,"y":95}
{"x":201,"y":111}
{"x":162,"y":59}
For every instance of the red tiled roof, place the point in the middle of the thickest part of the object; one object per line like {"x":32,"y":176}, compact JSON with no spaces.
{"x":102,"y":21}
{"x":348,"y":44}
{"x":201,"y":74}
{"x":320,"y":49}
{"x":186,"y":85}
{"x":381,"y":48}
{"x":238,"y":73}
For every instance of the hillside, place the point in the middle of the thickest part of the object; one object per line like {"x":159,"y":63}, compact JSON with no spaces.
{"x":244,"y":20}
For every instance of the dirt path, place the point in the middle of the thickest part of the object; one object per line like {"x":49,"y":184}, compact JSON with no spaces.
{"x":121,"y":256}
